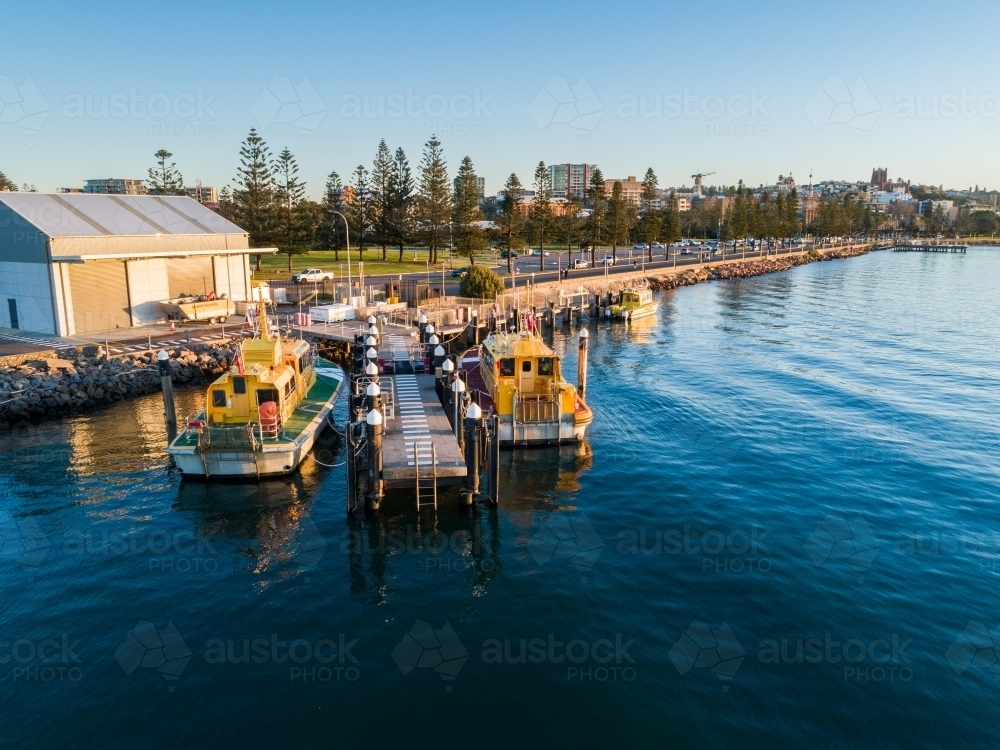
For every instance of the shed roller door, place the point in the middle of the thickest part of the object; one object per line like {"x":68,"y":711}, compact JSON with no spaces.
{"x":100,"y":296}
{"x":190,"y":276}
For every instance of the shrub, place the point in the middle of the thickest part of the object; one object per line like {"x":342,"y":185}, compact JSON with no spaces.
{"x":481,"y":283}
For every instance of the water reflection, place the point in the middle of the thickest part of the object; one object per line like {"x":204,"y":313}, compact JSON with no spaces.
{"x":269,"y":521}
{"x":458,"y":540}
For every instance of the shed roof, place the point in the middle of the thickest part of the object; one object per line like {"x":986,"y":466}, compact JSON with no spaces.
{"x":96,"y":215}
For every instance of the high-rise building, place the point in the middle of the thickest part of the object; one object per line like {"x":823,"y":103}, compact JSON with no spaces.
{"x":480,"y":186}
{"x":206,"y":196}
{"x":631,"y":189}
{"x":570,"y":180}
{"x":115,"y":186}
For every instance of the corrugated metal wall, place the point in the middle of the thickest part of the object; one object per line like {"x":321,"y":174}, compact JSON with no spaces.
{"x":230,"y":276}
{"x":147,"y":281}
{"x":100,"y":296}
{"x":193,"y":275}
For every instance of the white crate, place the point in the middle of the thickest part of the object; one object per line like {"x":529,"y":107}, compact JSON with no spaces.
{"x":331,"y":313}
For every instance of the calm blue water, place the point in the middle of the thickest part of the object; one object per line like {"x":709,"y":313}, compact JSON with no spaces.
{"x":785,"y":531}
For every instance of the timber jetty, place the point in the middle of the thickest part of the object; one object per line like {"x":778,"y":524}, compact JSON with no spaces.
{"x":920,"y":247}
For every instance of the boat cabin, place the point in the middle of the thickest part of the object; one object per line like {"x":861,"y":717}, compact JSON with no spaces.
{"x":272,"y":371}
{"x":636,"y":297}
{"x":519,"y":368}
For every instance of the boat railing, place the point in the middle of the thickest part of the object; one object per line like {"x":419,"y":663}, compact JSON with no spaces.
{"x":269,"y":427}
{"x":227,"y":438}
{"x":536,"y":409}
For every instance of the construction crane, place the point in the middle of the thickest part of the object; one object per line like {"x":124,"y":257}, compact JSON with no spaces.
{"x":697,"y":181}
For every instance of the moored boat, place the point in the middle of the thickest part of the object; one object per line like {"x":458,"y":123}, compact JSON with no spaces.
{"x":261,"y":418}
{"x":636,"y":302}
{"x":520,"y":379}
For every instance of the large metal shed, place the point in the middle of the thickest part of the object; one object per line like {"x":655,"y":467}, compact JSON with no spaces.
{"x":71,"y":263}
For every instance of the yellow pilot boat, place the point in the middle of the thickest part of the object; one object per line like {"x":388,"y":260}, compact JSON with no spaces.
{"x":520,"y":379}
{"x":262,"y":417}
{"x":636,"y":302}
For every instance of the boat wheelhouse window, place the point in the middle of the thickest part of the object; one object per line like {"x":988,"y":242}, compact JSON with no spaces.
{"x":219,"y":398}
{"x":526,"y":366}
{"x":239,"y":386}
{"x":266,"y":394}
{"x":305,"y":361}
{"x":545,"y":365}
{"x":507,"y":367}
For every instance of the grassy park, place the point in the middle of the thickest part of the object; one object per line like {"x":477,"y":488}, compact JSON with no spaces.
{"x":414,"y":261}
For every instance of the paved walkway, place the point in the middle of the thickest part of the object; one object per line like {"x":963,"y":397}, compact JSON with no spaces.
{"x":119,"y":341}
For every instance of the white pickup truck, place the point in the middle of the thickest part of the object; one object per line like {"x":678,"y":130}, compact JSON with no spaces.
{"x":311,"y":275}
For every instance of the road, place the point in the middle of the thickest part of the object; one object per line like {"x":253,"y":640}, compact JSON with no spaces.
{"x":528,"y":266}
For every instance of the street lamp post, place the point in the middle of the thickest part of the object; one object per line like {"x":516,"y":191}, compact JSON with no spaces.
{"x":347,"y":235}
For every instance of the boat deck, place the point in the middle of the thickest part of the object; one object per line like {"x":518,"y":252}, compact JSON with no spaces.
{"x":316,"y":399}
{"x":470,"y":363}
{"x":418,"y":420}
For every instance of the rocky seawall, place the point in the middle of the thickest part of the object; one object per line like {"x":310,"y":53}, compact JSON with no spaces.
{"x":746,"y":269}
{"x":53,"y":388}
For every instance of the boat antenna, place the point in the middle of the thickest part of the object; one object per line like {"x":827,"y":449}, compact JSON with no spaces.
{"x":262,"y":316}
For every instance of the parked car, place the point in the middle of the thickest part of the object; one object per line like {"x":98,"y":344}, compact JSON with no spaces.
{"x":657,"y":246}
{"x":608,"y":260}
{"x":512,"y":254}
{"x":536,"y":252}
{"x":310,"y":275}
{"x":459,"y":273}
{"x":580,"y":263}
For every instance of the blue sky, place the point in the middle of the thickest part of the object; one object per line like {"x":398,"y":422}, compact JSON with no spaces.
{"x":746,"y":90}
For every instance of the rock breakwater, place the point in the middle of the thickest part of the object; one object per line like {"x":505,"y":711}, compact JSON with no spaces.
{"x":749,"y":268}
{"x":54,"y":388}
